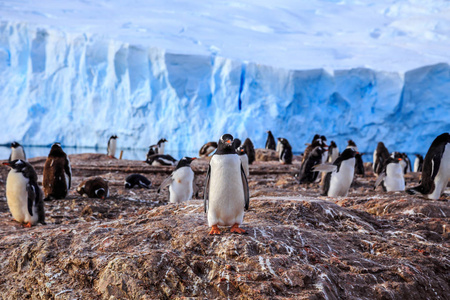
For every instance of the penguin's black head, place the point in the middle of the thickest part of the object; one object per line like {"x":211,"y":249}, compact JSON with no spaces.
{"x":17,"y":165}
{"x":351,"y":143}
{"x":315,"y":138}
{"x":15,"y":144}
{"x":114,"y":137}
{"x":162,"y":141}
{"x":241,"y":150}
{"x":225,"y":145}
{"x":333,"y":144}
{"x":348,"y":153}
{"x":128,"y":185}
{"x":185,"y":162}
{"x":56,"y":150}
{"x":396,"y":155}
{"x":101,"y":193}
{"x":236,"y":143}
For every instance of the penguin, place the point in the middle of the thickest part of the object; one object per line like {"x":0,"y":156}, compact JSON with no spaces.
{"x":435,"y":169}
{"x":160,"y":146}
{"x":112,"y":145}
{"x":408,"y":163}
{"x":226,"y":194}
{"x":418,"y":163}
{"x":57,"y":174}
{"x":270,"y":142}
{"x":161,"y":160}
{"x":23,"y":194}
{"x":180,"y":182}
{"x":17,"y":152}
{"x":137,"y":180}
{"x":333,"y":152}
{"x":359,"y":165}
{"x":285,"y":151}
{"x":311,"y":157}
{"x":207,"y":149}
{"x":380,"y":156}
{"x":237,"y":143}
{"x":250,"y":150}
{"x":244,"y":159}
{"x":323,"y":140}
{"x":339,"y":175}
{"x":151,"y":151}
{"x":94,"y":188}
{"x":392,"y":176}
{"x":351,"y":144}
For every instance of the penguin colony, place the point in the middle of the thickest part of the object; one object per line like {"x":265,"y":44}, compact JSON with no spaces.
{"x":226,"y":191}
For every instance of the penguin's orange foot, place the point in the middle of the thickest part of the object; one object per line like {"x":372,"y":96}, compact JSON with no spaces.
{"x":214,"y":230}
{"x":28,"y":225}
{"x":235,"y":228}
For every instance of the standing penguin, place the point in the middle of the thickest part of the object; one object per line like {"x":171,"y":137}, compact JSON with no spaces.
{"x":137,"y":180}
{"x":112,"y":145}
{"x":23,"y":194}
{"x":392,"y":176}
{"x":244,"y":159}
{"x":226,"y":193}
{"x":339,"y":175}
{"x":359,"y":165}
{"x":418,"y":163}
{"x":160,"y":146}
{"x":17,"y":152}
{"x":333,"y":152}
{"x":57,"y":174}
{"x":207,"y":149}
{"x":180,"y":182}
{"x":380,"y":156}
{"x":351,"y":144}
{"x":250,"y":150}
{"x":94,"y":188}
{"x":270,"y":143}
{"x":285,"y":151}
{"x":436,"y":169}
{"x":311,"y":157}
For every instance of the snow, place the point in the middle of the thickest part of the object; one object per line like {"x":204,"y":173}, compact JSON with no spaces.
{"x":77,"y":72}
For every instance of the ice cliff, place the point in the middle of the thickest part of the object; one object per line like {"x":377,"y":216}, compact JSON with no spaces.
{"x":80,"y":89}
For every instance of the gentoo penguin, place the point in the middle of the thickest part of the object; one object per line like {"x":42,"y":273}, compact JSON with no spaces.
{"x":207,"y":149}
{"x":57,"y":174}
{"x":112,"y":145}
{"x":137,"y":180}
{"x":392,"y":176}
{"x":17,"y":152}
{"x":23,"y":194}
{"x":237,"y":143}
{"x":226,"y":194}
{"x":418,"y":163}
{"x":250,"y":150}
{"x":436,"y":169}
{"x":161,"y":160}
{"x":311,"y":157}
{"x":333,"y":152}
{"x":408,"y":163}
{"x":180,"y":182}
{"x":94,"y":188}
{"x":151,"y":151}
{"x":244,"y":159}
{"x":380,"y":156}
{"x":339,"y":175}
{"x":270,"y":142}
{"x":285,"y":151}
{"x":160,"y":146}
{"x":359,"y":165}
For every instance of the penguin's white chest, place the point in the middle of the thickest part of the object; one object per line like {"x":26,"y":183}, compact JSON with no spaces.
{"x":416,"y":165}
{"x":443,"y":175}
{"x":244,"y":161}
{"x":394,"y":180}
{"x":17,"y":153}
{"x":112,"y":147}
{"x":17,"y":198}
{"x":340,"y":181}
{"x":226,"y":191}
{"x":181,"y":188}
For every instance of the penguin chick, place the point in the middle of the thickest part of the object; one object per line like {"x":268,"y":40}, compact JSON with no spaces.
{"x":436,"y":169}
{"x":207,"y":149}
{"x":161,"y":160}
{"x":23,"y":194}
{"x":339,"y":175}
{"x":285,"y":151}
{"x":180,"y":182}
{"x":57,"y":174}
{"x":392,"y":176}
{"x":17,"y":152}
{"x":270,"y":142}
{"x":112,"y":145}
{"x":137,"y":180}
{"x":94,"y":188}
{"x":226,"y":194}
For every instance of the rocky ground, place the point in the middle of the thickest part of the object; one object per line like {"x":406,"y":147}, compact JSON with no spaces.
{"x":134,"y":245}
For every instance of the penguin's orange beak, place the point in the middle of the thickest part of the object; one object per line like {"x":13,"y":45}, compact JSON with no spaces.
{"x":6,"y":163}
{"x":228,"y":141}
{"x":194,"y":158}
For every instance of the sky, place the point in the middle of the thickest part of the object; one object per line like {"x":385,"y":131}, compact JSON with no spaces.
{"x":394,"y":36}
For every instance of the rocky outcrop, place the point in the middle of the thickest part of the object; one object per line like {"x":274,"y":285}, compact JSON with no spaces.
{"x":133,"y":245}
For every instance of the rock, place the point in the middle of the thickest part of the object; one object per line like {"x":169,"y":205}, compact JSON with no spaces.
{"x":266,"y":155}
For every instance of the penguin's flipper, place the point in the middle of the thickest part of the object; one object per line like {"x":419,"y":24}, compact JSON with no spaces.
{"x":325,"y":168}
{"x":144,"y":185}
{"x":165,"y":183}
{"x":206,"y":190}
{"x":379,"y":180}
{"x":31,"y":197}
{"x":245,"y":185}
{"x":68,"y":171}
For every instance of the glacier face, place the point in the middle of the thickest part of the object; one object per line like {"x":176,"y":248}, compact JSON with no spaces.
{"x":80,"y":89}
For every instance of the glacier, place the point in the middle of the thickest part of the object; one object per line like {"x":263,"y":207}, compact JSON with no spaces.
{"x":78,"y":89}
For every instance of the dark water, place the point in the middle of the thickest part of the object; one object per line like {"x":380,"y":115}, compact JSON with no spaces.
{"x":130,"y":154}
